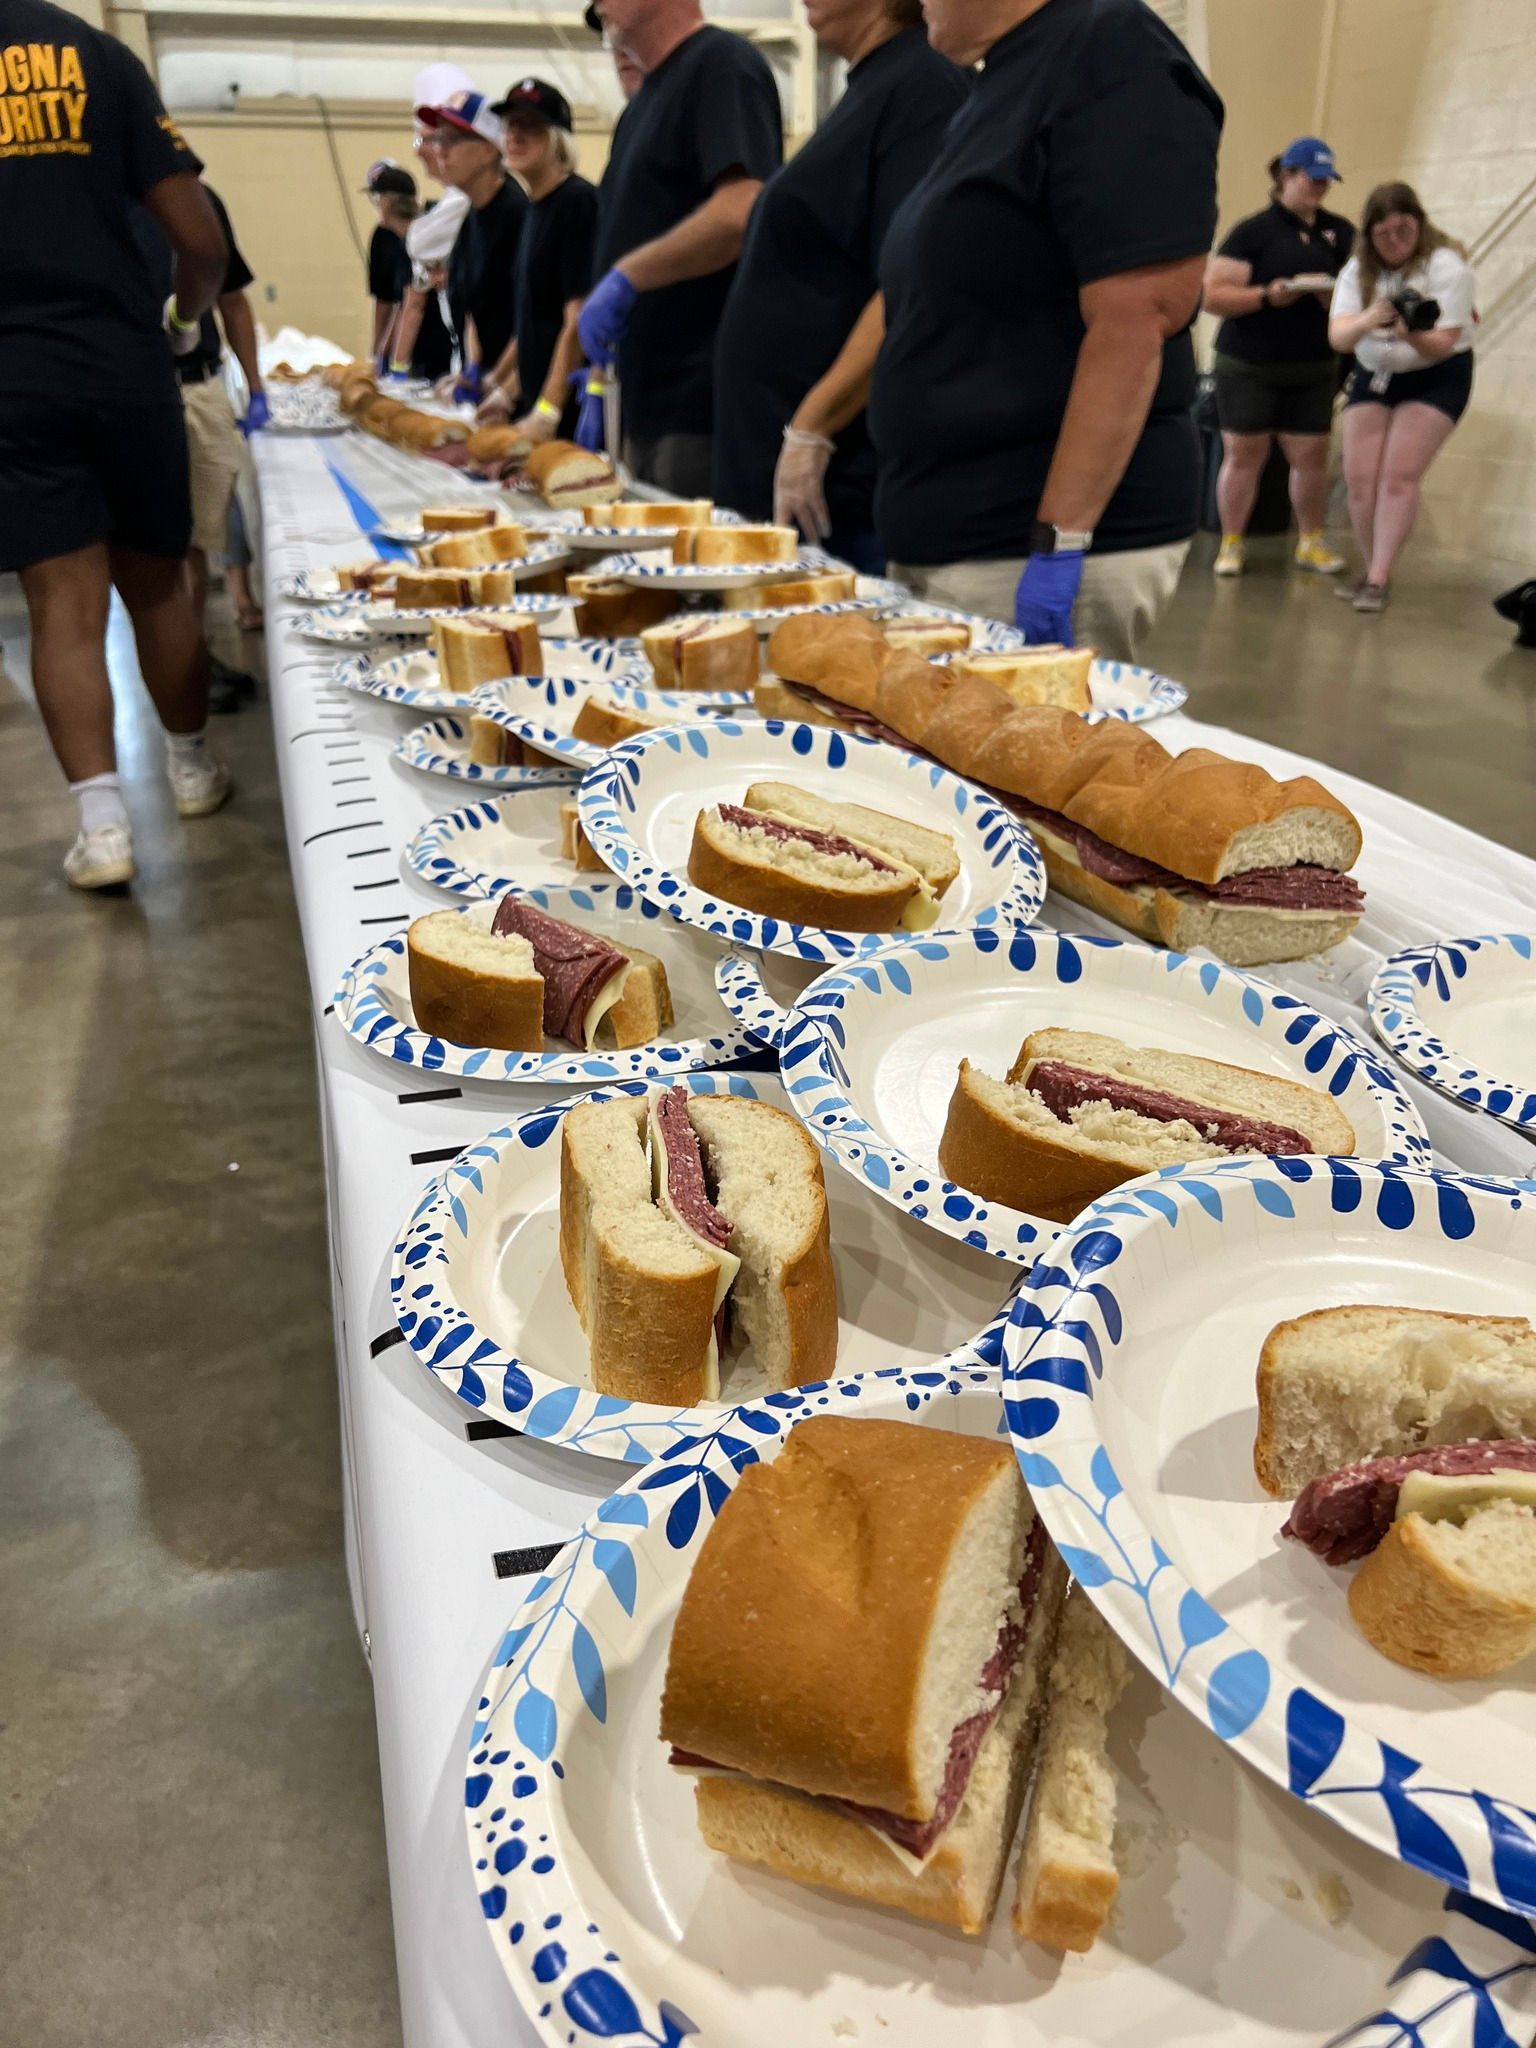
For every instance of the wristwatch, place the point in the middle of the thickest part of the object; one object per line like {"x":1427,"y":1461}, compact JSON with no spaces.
{"x":1045,"y":539}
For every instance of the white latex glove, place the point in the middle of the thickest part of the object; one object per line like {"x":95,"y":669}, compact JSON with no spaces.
{"x":798,"y":497}
{"x":494,"y":408}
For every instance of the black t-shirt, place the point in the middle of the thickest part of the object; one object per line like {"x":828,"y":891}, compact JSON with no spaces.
{"x":389,"y":267}
{"x":482,"y":269}
{"x":83,"y":137}
{"x":1276,"y":243}
{"x":708,"y":108}
{"x":554,"y":265}
{"x":808,"y":269}
{"x":193,"y":368}
{"x":1088,"y":148}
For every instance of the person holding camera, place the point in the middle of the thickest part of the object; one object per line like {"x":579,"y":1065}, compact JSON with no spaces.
{"x":1403,"y":306}
{"x":1276,"y":375}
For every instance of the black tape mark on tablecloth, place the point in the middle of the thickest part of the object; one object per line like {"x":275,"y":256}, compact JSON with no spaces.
{"x":521,"y":1564}
{"x":386,"y":1342}
{"x":356,"y":825}
{"x":436,"y":1156}
{"x":431,"y":1095}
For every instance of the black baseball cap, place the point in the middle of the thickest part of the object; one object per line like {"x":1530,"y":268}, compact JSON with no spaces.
{"x":592,"y":18}
{"x":533,"y":96}
{"x":387,"y":176}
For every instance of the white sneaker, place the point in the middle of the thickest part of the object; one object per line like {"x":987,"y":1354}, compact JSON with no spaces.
{"x":199,"y":785}
{"x":102,"y":859}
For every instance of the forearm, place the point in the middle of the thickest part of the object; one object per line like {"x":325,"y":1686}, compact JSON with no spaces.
{"x":709,"y":239}
{"x":408,"y":325}
{"x":565,"y":360}
{"x":1346,"y":331}
{"x":1437,"y":345}
{"x":240,"y":333}
{"x":503,"y":373}
{"x":1234,"y":301}
{"x":842,"y":394}
{"x":1117,"y":372}
{"x":383,"y":320}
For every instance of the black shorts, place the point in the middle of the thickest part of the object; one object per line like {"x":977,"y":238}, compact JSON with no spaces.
{"x":76,"y":473}
{"x":1251,"y":405}
{"x":1446,"y":386}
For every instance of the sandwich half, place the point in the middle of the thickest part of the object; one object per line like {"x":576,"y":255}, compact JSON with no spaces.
{"x":702,"y":651}
{"x":1080,"y":1112}
{"x":833,"y":587}
{"x":457,"y":518}
{"x":856,"y":1668}
{"x":1035,"y":675}
{"x":609,"y":608}
{"x":484,"y":648}
{"x":636,"y":514}
{"x":692,"y":1223}
{"x":564,"y":473}
{"x":725,"y":546}
{"x":575,"y":846}
{"x":604,"y":724}
{"x":434,"y":589}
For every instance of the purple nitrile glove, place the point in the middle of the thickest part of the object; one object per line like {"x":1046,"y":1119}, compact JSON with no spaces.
{"x":605,"y":316}
{"x":258,"y":414}
{"x":1042,"y":604}
{"x":467,"y":389}
{"x":590,"y":422}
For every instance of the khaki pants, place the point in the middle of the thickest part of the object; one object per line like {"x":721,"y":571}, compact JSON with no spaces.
{"x":215,"y":452}
{"x":1121,"y":599}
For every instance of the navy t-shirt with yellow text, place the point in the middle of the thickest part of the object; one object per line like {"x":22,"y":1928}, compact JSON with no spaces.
{"x":83,"y":137}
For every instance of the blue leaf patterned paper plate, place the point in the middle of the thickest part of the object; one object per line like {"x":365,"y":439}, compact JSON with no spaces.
{"x":504,"y":842}
{"x":1122,"y":690}
{"x":1463,"y":1014}
{"x":373,"y":1002}
{"x":1242,"y":1917}
{"x":871,"y":1053}
{"x":652,"y":570}
{"x":477,"y":1289}
{"x":357,"y":625}
{"x":638,"y":810}
{"x":1130,"y":1367}
{"x":412,"y":678}
{"x":441,"y":747}
{"x":543,"y":710}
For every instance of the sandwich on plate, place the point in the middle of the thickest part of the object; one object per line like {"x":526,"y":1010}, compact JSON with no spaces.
{"x":636,"y":514}
{"x":858,"y":1665}
{"x":419,"y":590}
{"x":834,"y":586}
{"x":565,"y":474}
{"x":785,"y":852}
{"x":484,"y":648}
{"x":1035,"y":675}
{"x":694,"y":1237}
{"x":926,"y":637}
{"x":457,"y":518}
{"x":480,"y":549}
{"x":1408,"y":1438}
{"x":608,"y":608}
{"x":727,"y":546}
{"x":575,"y":846}
{"x":528,"y":977}
{"x":602,"y":723}
{"x":1080,"y":1112}
{"x":702,"y":651}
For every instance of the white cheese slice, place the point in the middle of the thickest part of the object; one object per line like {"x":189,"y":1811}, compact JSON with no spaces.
{"x":1452,"y":1496}
{"x":610,"y":992}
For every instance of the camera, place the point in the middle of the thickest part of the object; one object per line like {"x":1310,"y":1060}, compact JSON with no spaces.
{"x":1417,"y":313}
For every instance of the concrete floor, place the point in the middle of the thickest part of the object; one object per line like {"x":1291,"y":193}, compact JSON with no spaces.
{"x":190,"y":1843}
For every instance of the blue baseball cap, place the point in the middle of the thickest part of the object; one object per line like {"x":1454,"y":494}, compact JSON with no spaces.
{"x":1311,"y":154}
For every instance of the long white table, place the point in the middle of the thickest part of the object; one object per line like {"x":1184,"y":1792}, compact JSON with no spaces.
{"x":437,"y":1514}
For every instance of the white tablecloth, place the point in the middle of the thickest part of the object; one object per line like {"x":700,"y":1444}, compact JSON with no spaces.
{"x":428,"y":1510}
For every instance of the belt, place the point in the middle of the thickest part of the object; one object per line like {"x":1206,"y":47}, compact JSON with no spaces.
{"x":196,"y":373}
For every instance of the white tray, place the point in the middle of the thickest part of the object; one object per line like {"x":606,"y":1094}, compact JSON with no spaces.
{"x":478,"y":1291}
{"x":872,"y":1051}
{"x":639,"y":807}
{"x":1462,"y":1014}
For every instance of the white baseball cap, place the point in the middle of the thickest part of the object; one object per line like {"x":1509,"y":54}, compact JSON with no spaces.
{"x":436,"y":83}
{"x":469,"y":112}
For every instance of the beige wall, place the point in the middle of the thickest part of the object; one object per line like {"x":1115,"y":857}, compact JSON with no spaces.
{"x":1264,"y":63}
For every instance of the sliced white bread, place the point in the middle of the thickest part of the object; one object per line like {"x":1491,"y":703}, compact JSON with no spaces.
{"x":485,"y":648}
{"x":1036,"y":675}
{"x":608,"y":608}
{"x":457,"y":518}
{"x":932,"y":854}
{"x":725,"y":546}
{"x":772,"y":698}
{"x":832,"y":588}
{"x":473,"y":987}
{"x":565,"y":473}
{"x":1361,"y":1381}
{"x":490,"y":744}
{"x":641,"y":1284}
{"x":509,"y":542}
{"x":575,"y":846}
{"x":927,"y":636}
{"x":1252,"y":937}
{"x":766,"y":1171}
{"x":785,"y":878}
{"x":432,"y":589}
{"x":702,"y":653}
{"x":602,"y":724}
{"x":1457,"y":1599}
{"x":957,"y":1886}
{"x":1067,"y":1876}
{"x":635,"y":514}
{"x":458,"y":551}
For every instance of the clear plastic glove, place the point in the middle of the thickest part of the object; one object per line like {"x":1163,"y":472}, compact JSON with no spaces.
{"x":495,"y":407}
{"x":536,"y":426}
{"x":443,"y":389}
{"x":589,"y":420}
{"x":258,"y":414}
{"x":1042,"y":604}
{"x":799,"y":497}
{"x":605,"y":316}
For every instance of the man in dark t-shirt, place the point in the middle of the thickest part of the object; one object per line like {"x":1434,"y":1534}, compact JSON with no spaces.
{"x":393,"y":191}
{"x":92,"y":447}
{"x":688,"y":160}
{"x":482,"y":268}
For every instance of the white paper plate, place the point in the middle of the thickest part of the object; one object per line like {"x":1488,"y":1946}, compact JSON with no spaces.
{"x":872,"y":1050}
{"x":478,"y":1291}
{"x":1242,"y":1918}
{"x":411,"y":678}
{"x":410,"y":533}
{"x":766,"y":617}
{"x":317,"y":586}
{"x":1131,"y":1370}
{"x":441,"y":747}
{"x":507,"y":842}
{"x":373,"y":1002}
{"x":637,"y":540}
{"x":639,"y":808}
{"x":543,"y":709}
{"x":356,"y":625}
{"x":760,"y":989}
{"x":1462,"y":1014}
{"x":320,"y":586}
{"x":1123,"y":691}
{"x":988,"y":636}
{"x":646,"y":571}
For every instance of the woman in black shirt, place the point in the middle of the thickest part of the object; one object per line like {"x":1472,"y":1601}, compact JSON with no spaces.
{"x":1276,"y":376}
{"x":554,"y":263}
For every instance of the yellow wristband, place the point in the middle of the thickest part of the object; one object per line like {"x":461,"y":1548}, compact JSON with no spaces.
{"x":181,"y":326}
{"x":545,"y":410}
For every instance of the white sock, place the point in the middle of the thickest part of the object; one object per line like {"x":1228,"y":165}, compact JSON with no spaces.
{"x":101,"y":801}
{"x":187,"y":746}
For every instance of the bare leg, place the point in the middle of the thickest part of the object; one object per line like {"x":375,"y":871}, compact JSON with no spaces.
{"x":1238,"y":484}
{"x":67,"y":600}
{"x":1365,"y":437}
{"x":197,"y":571}
{"x":1415,"y":437}
{"x":242,"y":597}
{"x":173,"y":654}
{"x":1308,"y":456}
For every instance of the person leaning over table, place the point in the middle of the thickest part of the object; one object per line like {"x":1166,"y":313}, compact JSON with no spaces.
{"x":1404,"y":307}
{"x":1276,"y":373}
{"x":482,"y":268}
{"x":1031,"y":403}
{"x":554,"y":263}
{"x":688,"y":159}
{"x":799,"y":334}
{"x":93,"y":449}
